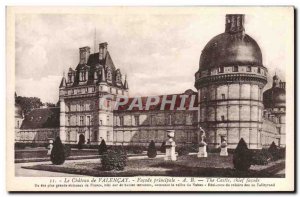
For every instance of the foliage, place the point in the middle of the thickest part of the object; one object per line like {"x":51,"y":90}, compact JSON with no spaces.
{"x":58,"y":152}
{"x":184,"y":150}
{"x":102,"y":147}
{"x":20,"y":145}
{"x":67,"y":149}
{"x":152,"y":150}
{"x":114,"y":159}
{"x":274,"y":151}
{"x":48,"y":104}
{"x":261,"y":157}
{"x":242,"y":156}
{"x":163,"y":147}
{"x":28,"y":103}
{"x":135,"y":149}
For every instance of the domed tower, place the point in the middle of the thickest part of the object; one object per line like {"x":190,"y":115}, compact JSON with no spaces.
{"x":229,"y":81}
{"x":274,"y":100}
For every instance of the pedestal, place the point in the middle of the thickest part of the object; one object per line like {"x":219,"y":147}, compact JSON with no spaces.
{"x":224,"y":151}
{"x":202,"y":152}
{"x":170,"y":151}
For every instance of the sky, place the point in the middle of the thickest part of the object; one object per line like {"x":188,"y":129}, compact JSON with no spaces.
{"x":158,"y":51}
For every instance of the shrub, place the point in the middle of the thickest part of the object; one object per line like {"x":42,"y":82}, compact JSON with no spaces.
{"x":151,"y":150}
{"x":184,"y":150}
{"x":163,"y":147}
{"x":58,"y":152}
{"x":114,"y":159}
{"x":261,"y":157}
{"x":67,"y":150}
{"x":137,"y":149}
{"x":242,"y":156}
{"x":102,"y":147}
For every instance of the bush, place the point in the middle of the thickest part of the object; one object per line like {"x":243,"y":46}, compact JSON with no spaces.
{"x":58,"y":152}
{"x":67,"y":150}
{"x":242,"y":156}
{"x":102,"y":147}
{"x":184,"y":150}
{"x":274,"y":151}
{"x":151,"y":150}
{"x":137,"y":149}
{"x":114,"y":159}
{"x":261,"y":157}
{"x":163,"y":147}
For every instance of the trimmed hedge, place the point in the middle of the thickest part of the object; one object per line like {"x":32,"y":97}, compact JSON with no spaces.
{"x":242,"y":156}
{"x":184,"y":150}
{"x":163,"y":147}
{"x":152,"y":150}
{"x":102,"y":148}
{"x":114,"y":159}
{"x":57,"y":156}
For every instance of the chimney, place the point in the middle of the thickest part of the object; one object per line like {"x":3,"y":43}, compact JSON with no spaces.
{"x":234,"y":23}
{"x":84,"y":53}
{"x":102,"y":50}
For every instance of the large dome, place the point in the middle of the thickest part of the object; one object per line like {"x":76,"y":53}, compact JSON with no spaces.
{"x":230,"y":49}
{"x":233,"y":47}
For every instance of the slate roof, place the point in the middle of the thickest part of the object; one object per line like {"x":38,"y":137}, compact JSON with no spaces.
{"x":42,"y":118}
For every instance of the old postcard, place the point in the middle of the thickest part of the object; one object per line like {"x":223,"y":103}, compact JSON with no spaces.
{"x":150,"y":99}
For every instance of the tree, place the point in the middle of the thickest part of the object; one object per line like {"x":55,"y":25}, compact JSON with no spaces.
{"x":242,"y":156}
{"x":151,"y":150}
{"x":58,"y":152}
{"x":28,"y":103}
{"x":102,"y":147}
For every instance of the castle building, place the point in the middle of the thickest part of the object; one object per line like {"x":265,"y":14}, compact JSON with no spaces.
{"x":230,"y":101}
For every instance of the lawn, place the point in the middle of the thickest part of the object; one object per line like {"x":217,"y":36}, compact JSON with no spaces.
{"x":212,"y":166}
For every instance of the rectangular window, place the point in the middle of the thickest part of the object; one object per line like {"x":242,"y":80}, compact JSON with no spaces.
{"x":88,"y":120}
{"x":93,"y":89}
{"x":169,"y":119}
{"x":107,"y":120}
{"x":117,"y":91}
{"x":223,"y":96}
{"x":121,"y":120}
{"x":136,"y":120}
{"x":248,"y":68}
{"x":258,"y":70}
{"x":235,"y":68}
{"x":68,"y":123}
{"x":222,"y":118}
{"x":81,"y":120}
{"x":221,"y":69}
{"x":152,"y":120}
{"x":100,"y":122}
{"x":86,"y":90}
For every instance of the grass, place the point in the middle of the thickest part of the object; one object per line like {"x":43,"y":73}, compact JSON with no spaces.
{"x":212,"y":166}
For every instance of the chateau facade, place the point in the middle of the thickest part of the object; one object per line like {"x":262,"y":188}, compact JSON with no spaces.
{"x":230,"y":102}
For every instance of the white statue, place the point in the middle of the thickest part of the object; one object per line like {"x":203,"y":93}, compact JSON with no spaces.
{"x":170,"y":146}
{"x":50,"y":146}
{"x":202,"y":145}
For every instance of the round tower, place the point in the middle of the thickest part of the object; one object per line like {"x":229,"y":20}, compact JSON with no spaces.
{"x":229,"y":81}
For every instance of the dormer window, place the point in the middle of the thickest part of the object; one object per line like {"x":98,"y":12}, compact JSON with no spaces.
{"x":221,"y":69}
{"x":109,"y":75}
{"x":82,"y":76}
{"x":235,"y":68}
{"x":248,"y":68}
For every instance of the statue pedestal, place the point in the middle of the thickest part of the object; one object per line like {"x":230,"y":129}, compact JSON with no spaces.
{"x":224,"y":151}
{"x":202,"y":151}
{"x":170,"y":151}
